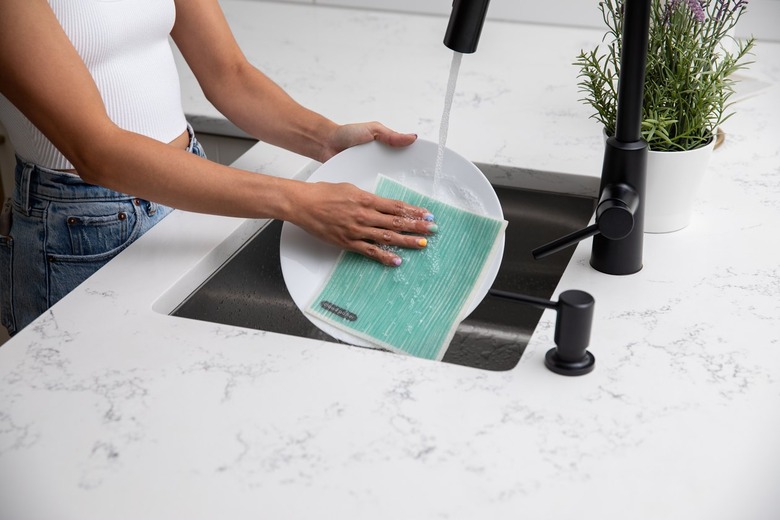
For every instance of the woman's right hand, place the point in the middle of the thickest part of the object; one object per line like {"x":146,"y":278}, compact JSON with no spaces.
{"x":356,"y":220}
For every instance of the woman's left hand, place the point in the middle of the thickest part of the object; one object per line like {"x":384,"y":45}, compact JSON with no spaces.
{"x":346,"y":136}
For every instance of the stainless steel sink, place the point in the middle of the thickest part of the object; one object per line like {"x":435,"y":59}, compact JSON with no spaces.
{"x":249,"y":290}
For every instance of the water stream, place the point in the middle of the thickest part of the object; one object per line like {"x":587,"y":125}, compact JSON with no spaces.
{"x":445,"y":118}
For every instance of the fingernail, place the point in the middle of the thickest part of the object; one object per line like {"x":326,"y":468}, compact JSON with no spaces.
{"x":433,"y":228}
{"x":397,"y":261}
{"x":422,"y":242}
{"x":428,"y":217}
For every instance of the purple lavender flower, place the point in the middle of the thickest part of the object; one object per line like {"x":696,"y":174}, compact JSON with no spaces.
{"x":697,"y":9}
{"x":670,"y":7}
{"x":695,"y":6}
{"x":722,"y":6}
{"x":724,"y":10}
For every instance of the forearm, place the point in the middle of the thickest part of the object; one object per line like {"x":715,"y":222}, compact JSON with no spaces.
{"x":134,"y":164}
{"x":258,"y":106}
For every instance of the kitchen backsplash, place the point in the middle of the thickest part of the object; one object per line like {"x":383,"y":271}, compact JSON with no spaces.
{"x":761,"y":20}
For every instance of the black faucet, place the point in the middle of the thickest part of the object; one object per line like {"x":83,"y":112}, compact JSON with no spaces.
{"x":465,"y":27}
{"x":574,"y":308}
{"x":619,"y":225}
{"x":619,"y":228}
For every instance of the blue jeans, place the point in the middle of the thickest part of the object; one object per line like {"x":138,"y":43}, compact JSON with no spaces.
{"x":58,"y":232}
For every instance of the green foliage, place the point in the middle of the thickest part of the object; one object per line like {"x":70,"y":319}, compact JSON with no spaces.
{"x":688,"y":75}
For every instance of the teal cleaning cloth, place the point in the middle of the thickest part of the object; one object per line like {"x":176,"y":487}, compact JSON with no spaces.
{"x":416,"y":307}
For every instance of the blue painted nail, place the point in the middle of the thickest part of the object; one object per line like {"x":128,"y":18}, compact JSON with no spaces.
{"x":428,"y":217}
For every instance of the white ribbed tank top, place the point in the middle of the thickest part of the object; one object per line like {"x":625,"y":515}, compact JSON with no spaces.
{"x":125,"y":46}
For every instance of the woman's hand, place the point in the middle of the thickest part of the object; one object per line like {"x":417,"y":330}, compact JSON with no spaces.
{"x":359,"y":221}
{"x":346,"y":136}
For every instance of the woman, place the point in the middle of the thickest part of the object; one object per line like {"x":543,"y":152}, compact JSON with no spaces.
{"x":90,"y":97}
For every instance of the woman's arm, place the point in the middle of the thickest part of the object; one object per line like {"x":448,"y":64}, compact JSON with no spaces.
{"x":251,"y":100}
{"x":44,"y":77}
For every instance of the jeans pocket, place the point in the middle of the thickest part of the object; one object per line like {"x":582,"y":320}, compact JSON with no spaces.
{"x":95,"y":240}
{"x":6,"y":284}
{"x":97,"y":234}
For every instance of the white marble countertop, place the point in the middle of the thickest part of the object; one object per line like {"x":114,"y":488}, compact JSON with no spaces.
{"x":111,"y":409}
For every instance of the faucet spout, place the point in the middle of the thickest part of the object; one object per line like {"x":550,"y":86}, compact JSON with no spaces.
{"x":465,"y":26}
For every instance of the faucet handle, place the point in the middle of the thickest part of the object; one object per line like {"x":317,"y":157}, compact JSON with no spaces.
{"x":614,"y":220}
{"x":615,"y":212}
{"x":565,"y":241}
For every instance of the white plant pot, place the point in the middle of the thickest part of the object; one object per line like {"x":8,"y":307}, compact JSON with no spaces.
{"x":673,"y":180}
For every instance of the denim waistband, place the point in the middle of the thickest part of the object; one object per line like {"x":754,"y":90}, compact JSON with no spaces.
{"x":34,"y":181}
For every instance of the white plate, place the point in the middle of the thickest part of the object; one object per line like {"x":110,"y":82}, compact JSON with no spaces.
{"x":307,"y":261}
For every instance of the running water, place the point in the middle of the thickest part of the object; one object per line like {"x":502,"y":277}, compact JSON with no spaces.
{"x":445,"y":117}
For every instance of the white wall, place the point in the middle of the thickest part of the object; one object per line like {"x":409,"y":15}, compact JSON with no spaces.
{"x":762,"y":18}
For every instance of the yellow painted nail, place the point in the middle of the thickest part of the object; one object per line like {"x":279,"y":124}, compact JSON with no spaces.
{"x":422,"y":242}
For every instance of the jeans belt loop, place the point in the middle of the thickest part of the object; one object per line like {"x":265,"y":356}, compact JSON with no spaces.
{"x":24,"y":187}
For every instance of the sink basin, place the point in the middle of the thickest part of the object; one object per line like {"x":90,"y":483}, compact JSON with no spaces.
{"x":249,"y":290}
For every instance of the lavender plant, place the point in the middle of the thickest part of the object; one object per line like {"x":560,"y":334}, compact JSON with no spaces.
{"x":688,"y":79}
